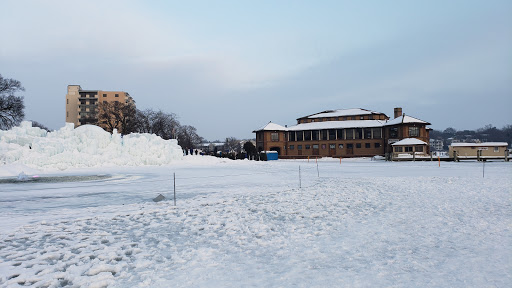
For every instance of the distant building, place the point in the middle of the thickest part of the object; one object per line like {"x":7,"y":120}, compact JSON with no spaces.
{"x":436,"y":145}
{"x":82,"y":105}
{"x":479,"y":151}
{"x":341,"y":133}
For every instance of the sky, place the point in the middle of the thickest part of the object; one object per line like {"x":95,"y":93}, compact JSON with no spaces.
{"x":230,"y":67}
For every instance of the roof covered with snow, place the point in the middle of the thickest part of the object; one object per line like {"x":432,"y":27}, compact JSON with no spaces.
{"x":409,"y":141}
{"x":341,"y":113}
{"x":405,"y":119}
{"x":337,"y":125}
{"x":485,"y":144}
{"x":271,"y":127}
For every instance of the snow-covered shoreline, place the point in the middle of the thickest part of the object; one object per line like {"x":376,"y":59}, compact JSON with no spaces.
{"x":245,"y":223}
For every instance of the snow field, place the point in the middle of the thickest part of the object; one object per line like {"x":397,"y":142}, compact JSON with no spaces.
{"x":359,"y":224}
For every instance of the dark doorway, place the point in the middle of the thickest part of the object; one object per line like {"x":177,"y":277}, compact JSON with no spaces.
{"x":277,"y":149}
{"x":350,"y":149}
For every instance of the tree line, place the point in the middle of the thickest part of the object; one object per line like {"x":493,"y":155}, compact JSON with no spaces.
{"x":126,"y":118}
{"x":488,"y":133}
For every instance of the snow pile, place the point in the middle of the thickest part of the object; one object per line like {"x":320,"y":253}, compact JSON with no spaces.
{"x":85,"y":146}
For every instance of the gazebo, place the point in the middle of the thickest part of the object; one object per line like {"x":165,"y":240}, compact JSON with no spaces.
{"x":409,"y":148}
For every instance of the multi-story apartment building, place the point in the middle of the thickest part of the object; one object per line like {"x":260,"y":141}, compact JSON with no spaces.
{"x":342,"y":133}
{"x":436,"y":144}
{"x":82,"y":105}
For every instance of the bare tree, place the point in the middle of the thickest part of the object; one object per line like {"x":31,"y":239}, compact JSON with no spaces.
{"x":116,"y":115}
{"x":11,"y":106}
{"x":232,"y":144}
{"x":188,"y":137}
{"x":160,"y":123}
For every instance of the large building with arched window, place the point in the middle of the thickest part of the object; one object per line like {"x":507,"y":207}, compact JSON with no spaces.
{"x":341,"y":133}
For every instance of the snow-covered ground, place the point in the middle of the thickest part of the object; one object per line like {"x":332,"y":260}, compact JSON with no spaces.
{"x":360,"y":223}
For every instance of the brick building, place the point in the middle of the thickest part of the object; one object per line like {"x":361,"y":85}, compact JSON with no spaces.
{"x":341,"y":133}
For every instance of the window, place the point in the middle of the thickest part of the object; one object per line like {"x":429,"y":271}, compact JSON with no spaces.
{"x":408,"y":149}
{"x":398,"y":149}
{"x":377,"y":133}
{"x":291,"y":147}
{"x":362,"y":117}
{"x":496,"y":149}
{"x":274,"y":136}
{"x":414,"y":132}
{"x":340,"y":146}
{"x":370,"y":117}
{"x":377,"y":145}
{"x":419,"y":148}
{"x":307,"y":135}
{"x":367,"y":145}
{"x":315,"y":146}
{"x":324,"y":134}
{"x":393,"y":132}
{"x":104,"y":95}
{"x":324,"y":146}
{"x":358,"y":133}
{"x":300,"y":135}
{"x":67,"y":101}
{"x":117,"y":95}
{"x":332,"y":146}
{"x":315,"y":135}
{"x":67,"y":114}
{"x":367,"y":133}
{"x":299,"y":147}
{"x":358,"y":145}
{"x":350,"y":133}
{"x":350,"y":146}
{"x":291,"y":136}
{"x":340,"y":134}
{"x":104,"y":101}
{"x":308,"y":146}
{"x":332,"y":134}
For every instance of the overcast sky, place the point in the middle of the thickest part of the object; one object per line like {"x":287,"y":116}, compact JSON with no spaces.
{"x":229,"y":67}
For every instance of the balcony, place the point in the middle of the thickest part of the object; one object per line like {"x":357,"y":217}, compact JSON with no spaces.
{"x":87,"y":98}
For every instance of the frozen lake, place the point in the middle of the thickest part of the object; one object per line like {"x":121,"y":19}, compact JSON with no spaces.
{"x":242,"y":223}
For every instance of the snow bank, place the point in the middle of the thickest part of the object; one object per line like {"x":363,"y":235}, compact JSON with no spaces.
{"x":85,"y":146}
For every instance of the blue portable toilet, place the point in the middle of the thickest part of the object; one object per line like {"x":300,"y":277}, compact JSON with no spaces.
{"x":272,"y":155}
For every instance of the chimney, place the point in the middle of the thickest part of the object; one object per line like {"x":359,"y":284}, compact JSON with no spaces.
{"x":398,"y":112}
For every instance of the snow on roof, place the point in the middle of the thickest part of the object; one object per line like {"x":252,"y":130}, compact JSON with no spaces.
{"x":336,"y":125}
{"x":409,"y":141}
{"x":342,"y":112}
{"x":271,"y":127}
{"x":485,"y":144}
{"x":405,"y":119}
